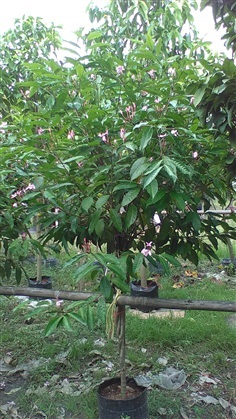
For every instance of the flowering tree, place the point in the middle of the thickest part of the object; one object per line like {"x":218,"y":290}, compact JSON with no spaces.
{"x":116,"y":138}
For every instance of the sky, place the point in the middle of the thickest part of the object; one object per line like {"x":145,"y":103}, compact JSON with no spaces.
{"x":71,"y":14}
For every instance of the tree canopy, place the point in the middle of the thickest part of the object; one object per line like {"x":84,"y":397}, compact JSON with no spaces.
{"x":111,"y":137}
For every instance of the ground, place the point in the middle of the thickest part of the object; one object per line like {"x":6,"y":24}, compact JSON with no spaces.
{"x":57,"y":377}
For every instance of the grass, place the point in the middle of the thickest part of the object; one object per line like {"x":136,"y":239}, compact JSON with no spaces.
{"x":201,"y":343}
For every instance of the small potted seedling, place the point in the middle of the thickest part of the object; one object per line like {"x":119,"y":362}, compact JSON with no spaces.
{"x":39,"y":281}
{"x":145,"y":287}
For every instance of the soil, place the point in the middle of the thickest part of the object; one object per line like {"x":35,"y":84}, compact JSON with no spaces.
{"x":114,"y":392}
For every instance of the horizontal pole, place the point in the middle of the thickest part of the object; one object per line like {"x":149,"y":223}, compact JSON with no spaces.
{"x":152,"y":303}
{"x":233,"y":211}
{"x":156,"y":303}
{"x":47,"y":293}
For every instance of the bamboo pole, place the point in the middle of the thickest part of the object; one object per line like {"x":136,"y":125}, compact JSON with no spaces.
{"x":122,"y":346}
{"x":153,"y":303}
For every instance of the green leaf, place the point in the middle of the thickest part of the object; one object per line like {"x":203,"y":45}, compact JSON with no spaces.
{"x":87,"y":203}
{"x":152,"y":188}
{"x":172,"y":260}
{"x":33,"y":89}
{"x":89,"y":318}
{"x":199,"y":95}
{"x":123,"y":286}
{"x":139,"y":171}
{"x":160,"y":260}
{"x":99,"y":227}
{"x":116,"y":220}
{"x":66,"y":323}
{"x":52,"y":325}
{"x":94,"y":35}
{"x":18,"y":273}
{"x":118,"y":271}
{"x":153,"y":167}
{"x":8,"y":269}
{"x":138,"y":261}
{"x":77,"y":317}
{"x":84,"y":270}
{"x":79,"y":70}
{"x":130,"y":196}
{"x":152,"y":176}
{"x":149,"y":41}
{"x":131,"y":215}
{"x":170,"y":168}
{"x":147,"y":134}
{"x":125,"y":185}
{"x":193,"y":257}
{"x":195,"y":220}
{"x":177,"y":197}
{"x":9,"y":219}
{"x":136,"y":167}
{"x":159,"y":195}
{"x":229,"y":67}
{"x":105,"y":288}
{"x":101,"y":201}
{"x":75,"y":158}
{"x":48,"y":195}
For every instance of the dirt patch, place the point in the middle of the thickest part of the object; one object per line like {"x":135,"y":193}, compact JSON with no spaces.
{"x":232,"y":320}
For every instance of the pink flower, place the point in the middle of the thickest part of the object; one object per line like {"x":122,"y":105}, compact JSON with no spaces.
{"x":23,"y":235}
{"x":130,"y":111}
{"x":104,"y":136}
{"x":145,"y":108}
{"x":71,"y":135}
{"x":39,"y":130}
{"x":195,"y":154}
{"x":30,"y":187}
{"x":174,"y":132}
{"x":86,"y":246}
{"x":152,"y":73}
{"x":120,"y":69}
{"x":122,"y":133}
{"x":147,"y":251}
{"x":59,"y":303}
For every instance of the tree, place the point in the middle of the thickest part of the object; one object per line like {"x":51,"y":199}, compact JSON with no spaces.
{"x":116,"y":138}
{"x":217,"y":104}
{"x":30,"y":41}
{"x":224,"y":13}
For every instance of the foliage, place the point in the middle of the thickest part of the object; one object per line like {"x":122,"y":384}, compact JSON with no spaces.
{"x":29,"y":41}
{"x":111,"y":137}
{"x":217,"y":89}
{"x":224,"y":12}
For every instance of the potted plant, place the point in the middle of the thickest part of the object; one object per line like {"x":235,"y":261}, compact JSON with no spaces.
{"x":40,"y":280}
{"x":144,"y":287}
{"x":119,"y":396}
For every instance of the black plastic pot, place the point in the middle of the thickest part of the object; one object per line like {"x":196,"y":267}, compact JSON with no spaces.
{"x":133,"y":408}
{"x":50,"y":262}
{"x":228,"y":261}
{"x":151,"y":291}
{"x":46,"y":283}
